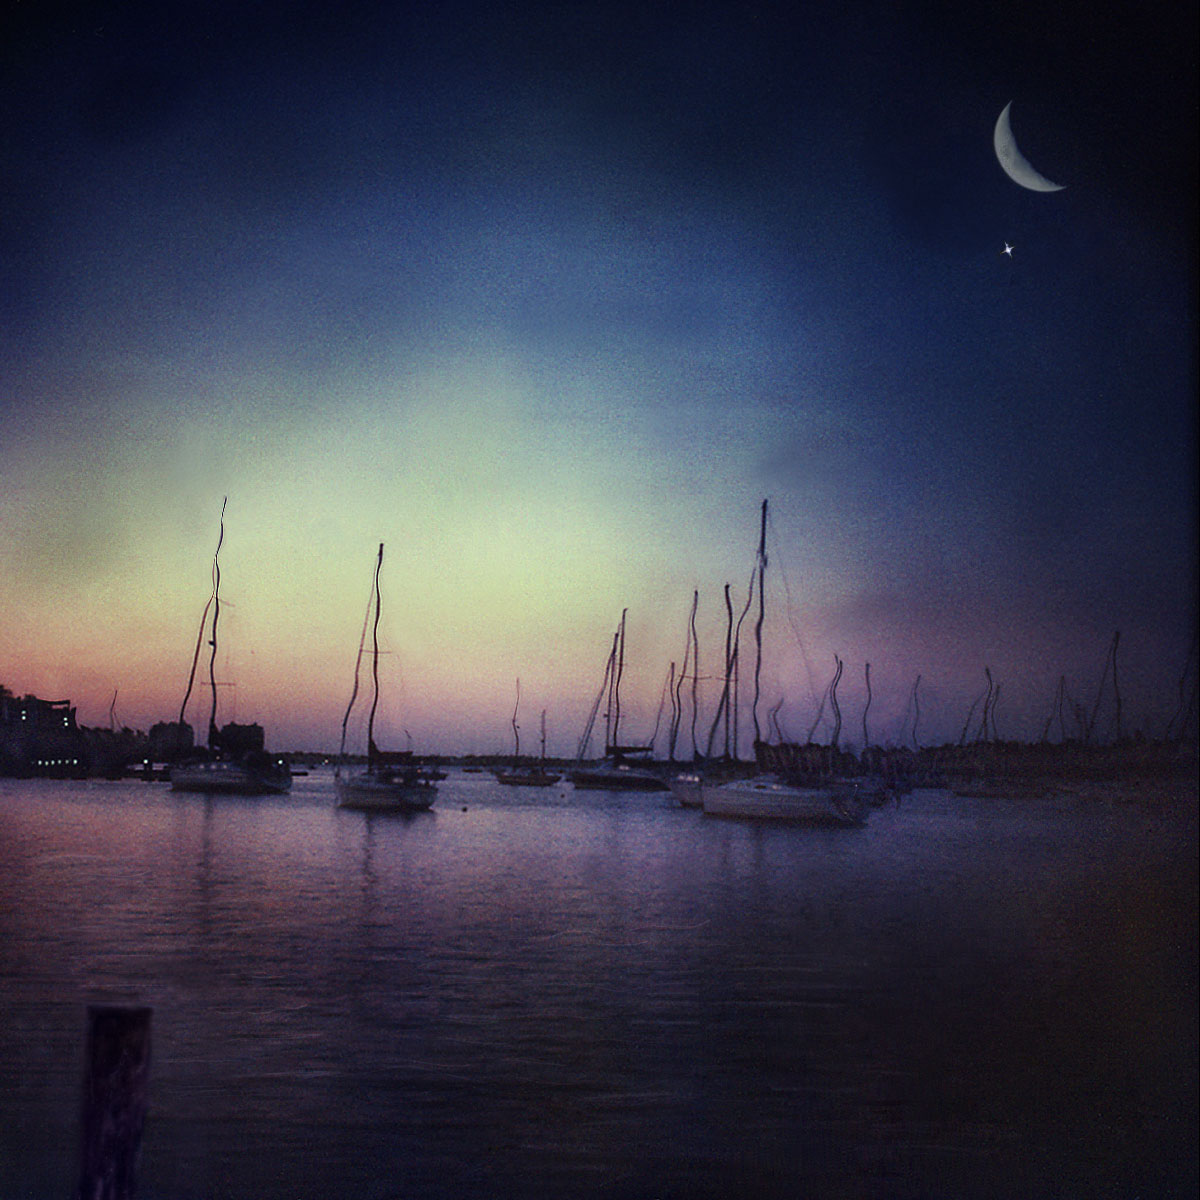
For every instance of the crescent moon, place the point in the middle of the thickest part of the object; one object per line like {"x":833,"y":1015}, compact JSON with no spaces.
{"x":1015,"y":164}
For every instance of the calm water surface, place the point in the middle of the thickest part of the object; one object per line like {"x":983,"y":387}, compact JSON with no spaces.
{"x":542,"y":994}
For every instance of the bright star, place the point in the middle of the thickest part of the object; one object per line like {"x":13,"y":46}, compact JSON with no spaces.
{"x":1008,"y":249}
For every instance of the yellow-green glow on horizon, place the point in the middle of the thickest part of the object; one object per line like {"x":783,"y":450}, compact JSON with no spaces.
{"x":515,"y":534}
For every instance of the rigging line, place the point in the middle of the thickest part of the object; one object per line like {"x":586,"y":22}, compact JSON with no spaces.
{"x":782,"y":726}
{"x":812,"y":729}
{"x":724,"y":700}
{"x":604,"y":686}
{"x":1080,"y":719}
{"x":199,"y":637}
{"x":712,"y":733}
{"x":982,"y":735}
{"x":773,"y":719}
{"x":1046,"y":728}
{"x":1186,"y":712}
{"x":362,"y":641}
{"x":195,"y":658}
{"x":900,"y":725}
{"x":1187,"y":673}
{"x":1100,"y":691}
{"x":677,"y":684}
{"x":1049,"y":721}
{"x":967,"y":723}
{"x":791,"y":615}
{"x":662,"y":699}
{"x":515,"y":727}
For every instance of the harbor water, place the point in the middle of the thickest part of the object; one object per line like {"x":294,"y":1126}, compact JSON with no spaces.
{"x":532,"y":993}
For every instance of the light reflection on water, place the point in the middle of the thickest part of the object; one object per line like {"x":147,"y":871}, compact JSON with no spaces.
{"x":538,"y":993}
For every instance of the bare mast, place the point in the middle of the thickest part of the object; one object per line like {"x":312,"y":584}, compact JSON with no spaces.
{"x":372,"y":750}
{"x":213,"y":736}
{"x":615,"y":739}
{"x":516,"y":728}
{"x":690,"y":658}
{"x":762,"y":567}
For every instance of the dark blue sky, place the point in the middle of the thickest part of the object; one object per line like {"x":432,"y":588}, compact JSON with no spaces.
{"x":694,"y":255}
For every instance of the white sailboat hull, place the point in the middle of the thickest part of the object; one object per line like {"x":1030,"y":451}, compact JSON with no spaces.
{"x":768,"y":799}
{"x":386,"y":791}
{"x":688,"y":790}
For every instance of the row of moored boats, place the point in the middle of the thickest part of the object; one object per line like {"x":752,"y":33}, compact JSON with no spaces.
{"x":235,"y":761}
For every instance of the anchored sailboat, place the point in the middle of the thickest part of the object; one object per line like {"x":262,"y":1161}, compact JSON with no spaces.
{"x":235,"y":762}
{"x":624,"y":768}
{"x":769,"y":796}
{"x":527,"y":774}
{"x":392,"y":781}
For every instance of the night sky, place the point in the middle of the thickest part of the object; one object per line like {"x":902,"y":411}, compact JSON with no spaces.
{"x":548,"y":299}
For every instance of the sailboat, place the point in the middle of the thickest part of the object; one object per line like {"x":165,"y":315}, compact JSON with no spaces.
{"x":393,"y":781}
{"x":769,"y":798}
{"x":773,"y":797}
{"x":687,"y":784}
{"x":624,"y":768}
{"x":235,"y":761}
{"x":529,"y":774}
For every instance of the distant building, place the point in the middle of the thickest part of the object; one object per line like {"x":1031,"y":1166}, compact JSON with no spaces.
{"x":169,"y":740}
{"x":239,"y":740}
{"x":39,"y":737}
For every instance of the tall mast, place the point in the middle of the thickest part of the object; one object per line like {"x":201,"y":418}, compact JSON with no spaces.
{"x":867,"y":708}
{"x":735,"y":665}
{"x":362,"y":641}
{"x":610,"y":675}
{"x":616,"y":726}
{"x":676,"y":716}
{"x":213,"y":736}
{"x":833,"y":703}
{"x":677,"y":685}
{"x":516,"y":728}
{"x":371,"y":751}
{"x":695,"y":674}
{"x":762,"y":567}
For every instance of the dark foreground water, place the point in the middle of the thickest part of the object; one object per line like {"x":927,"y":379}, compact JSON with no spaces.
{"x":543,"y":994}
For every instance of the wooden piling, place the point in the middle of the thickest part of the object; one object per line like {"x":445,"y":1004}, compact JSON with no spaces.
{"x":116,"y":1078}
